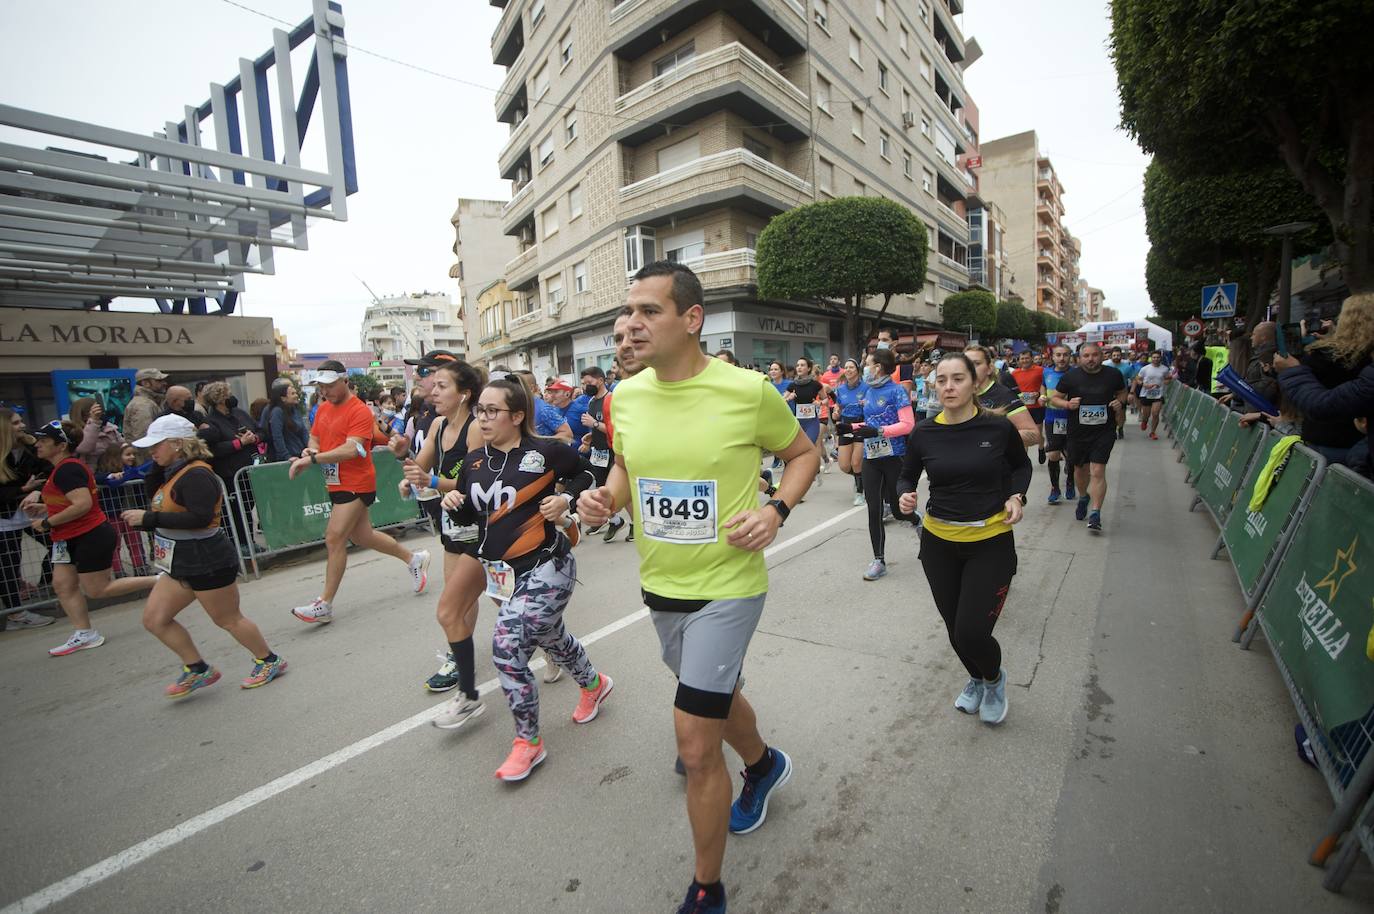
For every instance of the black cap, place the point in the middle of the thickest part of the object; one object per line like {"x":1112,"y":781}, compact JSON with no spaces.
{"x":432,"y":358}
{"x":54,"y":431}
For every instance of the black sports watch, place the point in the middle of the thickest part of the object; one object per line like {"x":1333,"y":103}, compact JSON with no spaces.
{"x":1020,"y":496}
{"x":781,"y":507}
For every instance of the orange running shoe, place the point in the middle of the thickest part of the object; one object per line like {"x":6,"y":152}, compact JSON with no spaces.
{"x":523,"y":758}
{"x":590,"y":702}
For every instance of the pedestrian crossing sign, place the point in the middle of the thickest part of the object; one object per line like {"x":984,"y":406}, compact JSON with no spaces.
{"x":1219,"y":300}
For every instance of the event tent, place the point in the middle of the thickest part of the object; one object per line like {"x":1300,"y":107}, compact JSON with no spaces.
{"x":1161,"y":338}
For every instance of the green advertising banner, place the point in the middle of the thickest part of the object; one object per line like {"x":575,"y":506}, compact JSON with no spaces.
{"x":1318,"y":610}
{"x":295,"y":511}
{"x":1252,"y":536}
{"x":1227,"y":458}
{"x":1202,"y":435}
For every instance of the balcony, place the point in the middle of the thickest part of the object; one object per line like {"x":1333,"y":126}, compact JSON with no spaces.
{"x":726,"y":269}
{"x":953,"y":264}
{"x":523,"y":270}
{"x":511,"y":98}
{"x":523,"y":320}
{"x":636,"y":27}
{"x":730,"y":76}
{"x":735,"y":175}
{"x":517,"y":147}
{"x":509,"y":38}
{"x":522,"y":196}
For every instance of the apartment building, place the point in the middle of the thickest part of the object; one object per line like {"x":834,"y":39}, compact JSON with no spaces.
{"x":405,"y":326}
{"x":988,"y":265}
{"x":1044,"y":255}
{"x":482,"y":251}
{"x":648,"y":129}
{"x":1098,"y":310}
{"x":494,"y":305}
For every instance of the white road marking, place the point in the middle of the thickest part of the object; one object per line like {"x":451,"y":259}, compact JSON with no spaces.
{"x":132,"y":856}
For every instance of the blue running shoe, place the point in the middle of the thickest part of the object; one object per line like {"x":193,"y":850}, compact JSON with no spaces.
{"x":1054,"y":496}
{"x":971,"y":699}
{"x":749,"y":811}
{"x":1070,"y":493}
{"x":698,"y":902}
{"x":1095,"y":522}
{"x":993,"y":710}
{"x":1081,"y":511}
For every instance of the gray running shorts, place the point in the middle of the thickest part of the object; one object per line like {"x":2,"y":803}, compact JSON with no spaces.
{"x":705,"y":650}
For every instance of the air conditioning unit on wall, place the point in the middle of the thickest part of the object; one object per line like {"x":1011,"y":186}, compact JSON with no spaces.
{"x":908,"y":119}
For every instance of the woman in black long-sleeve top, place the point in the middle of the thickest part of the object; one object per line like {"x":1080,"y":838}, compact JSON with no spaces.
{"x":979,"y":474}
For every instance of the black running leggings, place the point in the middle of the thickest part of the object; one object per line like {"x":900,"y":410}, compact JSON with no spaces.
{"x":880,"y":482}
{"x":969,"y":582}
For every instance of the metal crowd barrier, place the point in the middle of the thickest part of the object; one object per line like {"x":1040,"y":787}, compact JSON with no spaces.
{"x":28,"y":580}
{"x":1306,"y":582}
{"x":290,"y":515}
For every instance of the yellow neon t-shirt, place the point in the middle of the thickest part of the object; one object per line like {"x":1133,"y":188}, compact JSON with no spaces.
{"x":692,"y":451}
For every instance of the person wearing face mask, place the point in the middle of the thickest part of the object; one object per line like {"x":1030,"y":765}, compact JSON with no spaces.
{"x":594,"y":442}
{"x":884,"y":339}
{"x":979,"y":474}
{"x":887,"y":420}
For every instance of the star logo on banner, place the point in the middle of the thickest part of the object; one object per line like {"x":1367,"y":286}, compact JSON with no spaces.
{"x":1334,"y":577}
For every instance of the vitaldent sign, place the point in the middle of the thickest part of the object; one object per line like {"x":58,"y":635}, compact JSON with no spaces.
{"x":32,"y":332}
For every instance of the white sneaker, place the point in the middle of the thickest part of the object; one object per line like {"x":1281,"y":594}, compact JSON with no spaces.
{"x":552,"y":671}
{"x":79,"y":641}
{"x":458,"y":711}
{"x":316,"y":610}
{"x":859,"y":500}
{"x":26,"y":619}
{"x":825,"y":467}
{"x":419,"y":569}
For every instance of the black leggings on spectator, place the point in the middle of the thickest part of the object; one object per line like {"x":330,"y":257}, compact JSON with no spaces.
{"x":880,"y":482}
{"x":969,"y":582}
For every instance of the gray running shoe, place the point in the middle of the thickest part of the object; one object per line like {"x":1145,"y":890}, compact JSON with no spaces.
{"x":458,"y":711}
{"x":876,"y":569}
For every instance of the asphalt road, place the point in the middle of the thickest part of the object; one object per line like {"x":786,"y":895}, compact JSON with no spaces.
{"x":1146,"y":763}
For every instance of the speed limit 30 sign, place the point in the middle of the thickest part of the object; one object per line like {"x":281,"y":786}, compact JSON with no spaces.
{"x":1193,"y":327}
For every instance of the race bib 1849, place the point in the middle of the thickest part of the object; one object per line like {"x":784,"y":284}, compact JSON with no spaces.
{"x":1092,"y":415}
{"x":678,"y":511}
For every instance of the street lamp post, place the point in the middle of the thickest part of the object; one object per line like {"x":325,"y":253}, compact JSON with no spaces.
{"x":1286,"y":233}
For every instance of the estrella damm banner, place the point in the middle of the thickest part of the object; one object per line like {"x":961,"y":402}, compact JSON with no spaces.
{"x":1319,"y":608}
{"x":1252,"y":536}
{"x":295,"y":511}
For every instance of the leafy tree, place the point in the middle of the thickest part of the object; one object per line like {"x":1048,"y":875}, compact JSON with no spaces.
{"x":367,"y":386}
{"x":849,"y":249}
{"x":1013,"y":321}
{"x":1175,"y":290}
{"x":1246,"y":83}
{"x":975,"y":308}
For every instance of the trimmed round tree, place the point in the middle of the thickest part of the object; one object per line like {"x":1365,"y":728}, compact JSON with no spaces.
{"x":843,"y":250}
{"x":1013,"y":321}
{"x":975,"y":308}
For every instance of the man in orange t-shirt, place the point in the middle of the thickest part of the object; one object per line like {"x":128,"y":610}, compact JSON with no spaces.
{"x":340,"y":442}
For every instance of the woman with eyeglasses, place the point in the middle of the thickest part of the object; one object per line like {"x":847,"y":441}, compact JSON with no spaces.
{"x":509,"y":488}
{"x":83,"y":542}
{"x":456,"y":386}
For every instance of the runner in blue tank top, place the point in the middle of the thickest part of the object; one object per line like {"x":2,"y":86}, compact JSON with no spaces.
{"x":1057,"y":425}
{"x":849,"y":408}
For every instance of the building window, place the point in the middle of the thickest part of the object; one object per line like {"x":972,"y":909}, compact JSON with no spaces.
{"x":823,"y":93}
{"x":882,"y":78}
{"x":904,"y":40}
{"x":856,"y":121}
{"x":884,"y":145}
{"x":549,"y":219}
{"x":541,"y":82}
{"x":761,"y":150}
{"x":689,"y":150}
{"x":670,"y":62}
{"x":880,"y":10}
{"x":565,"y":48}
{"x":856,"y":49}
{"x":906,"y":104}
{"x":546,"y":150}
{"x":569,"y":127}
{"x":925,"y":69}
{"x":574,"y":202}
{"x":580,"y":276}
{"x":553,"y":287}
{"x":639,"y":247}
{"x":822,"y":14}
{"x":751,"y":238}
{"x":925,"y":125}
{"x":536,"y":13}
{"x":685,"y":247}
{"x":906,"y":163}
{"x":825,"y":176}
{"x":928,"y":181}
{"x":923,"y":12}
{"x":860,"y":188}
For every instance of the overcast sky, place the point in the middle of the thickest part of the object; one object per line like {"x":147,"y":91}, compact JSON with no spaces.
{"x":423,"y":141}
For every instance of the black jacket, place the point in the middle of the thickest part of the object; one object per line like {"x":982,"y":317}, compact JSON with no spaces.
{"x":221,"y":433}
{"x":24,"y":465}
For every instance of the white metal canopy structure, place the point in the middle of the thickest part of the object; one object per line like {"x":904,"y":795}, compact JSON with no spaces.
{"x":192,"y":210}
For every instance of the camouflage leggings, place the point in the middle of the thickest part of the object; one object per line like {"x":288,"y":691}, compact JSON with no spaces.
{"x":533,"y":618}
